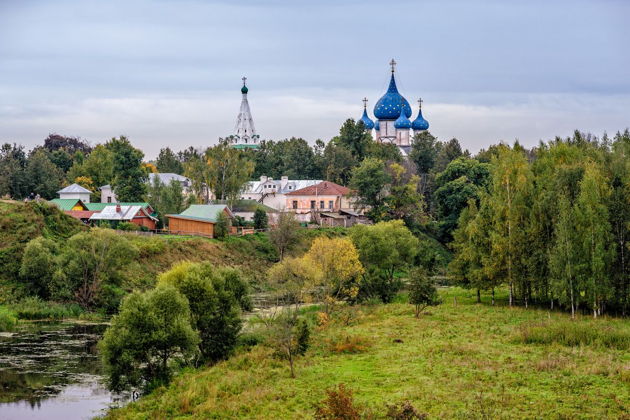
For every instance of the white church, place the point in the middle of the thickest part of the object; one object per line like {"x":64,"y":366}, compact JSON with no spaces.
{"x":245,"y":136}
{"x":393,"y":113}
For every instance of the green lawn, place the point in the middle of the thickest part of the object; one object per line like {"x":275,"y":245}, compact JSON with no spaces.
{"x":459,"y":360}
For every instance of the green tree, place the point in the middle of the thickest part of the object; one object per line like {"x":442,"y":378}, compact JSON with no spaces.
{"x":338,"y":163}
{"x":97,"y":166}
{"x":222,"y":227}
{"x":228,"y":171}
{"x":92,"y":266}
{"x":168,"y":162}
{"x":354,"y":137}
{"x":149,"y":336}
{"x":13,"y":180}
{"x":130,"y":178}
{"x":214,"y":299}
{"x":260,"y":219}
{"x":43,"y":176}
{"x":422,"y":291}
{"x":447,"y":153}
{"x":369,"y":180}
{"x":39,"y":263}
{"x":384,"y":249}
{"x":424,"y":150}
{"x":165,"y":199}
{"x":285,"y":235}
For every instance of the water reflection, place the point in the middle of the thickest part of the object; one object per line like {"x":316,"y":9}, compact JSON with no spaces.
{"x":51,"y":370}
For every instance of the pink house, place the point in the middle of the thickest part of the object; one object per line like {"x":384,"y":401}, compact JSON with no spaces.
{"x":325,"y":203}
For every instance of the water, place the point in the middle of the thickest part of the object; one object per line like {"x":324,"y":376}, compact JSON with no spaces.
{"x":52,"y":371}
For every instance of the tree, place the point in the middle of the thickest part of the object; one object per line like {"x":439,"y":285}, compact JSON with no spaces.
{"x":44,"y":178}
{"x":369,"y":180}
{"x":228,"y":171}
{"x":260,"y":219}
{"x":338,"y":261}
{"x":130,"y":178}
{"x":13,"y":181}
{"x":165,"y":199}
{"x":285,"y":235}
{"x":384,"y":248}
{"x":214,"y":305}
{"x":422,"y":291}
{"x":354,"y":137}
{"x":168,"y":162}
{"x":71,"y":145}
{"x":424,"y":150}
{"x":97,"y":166}
{"x":39,"y":265}
{"x":404,"y":202}
{"x":447,"y":153}
{"x":222,"y":227}
{"x":338,"y":163}
{"x":149,"y":335}
{"x":91,"y":266}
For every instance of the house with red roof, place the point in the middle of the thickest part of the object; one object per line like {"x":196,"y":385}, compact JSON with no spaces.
{"x":324,"y":203}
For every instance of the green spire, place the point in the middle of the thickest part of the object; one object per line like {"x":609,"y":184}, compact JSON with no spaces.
{"x":244,"y":89}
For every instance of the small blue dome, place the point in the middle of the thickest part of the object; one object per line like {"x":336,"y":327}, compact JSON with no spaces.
{"x":377,"y":126}
{"x":402,"y":122}
{"x":420,"y":123}
{"x":388,"y":107}
{"x":367,"y":122}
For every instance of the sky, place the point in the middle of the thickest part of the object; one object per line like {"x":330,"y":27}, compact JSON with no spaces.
{"x":168,"y":72}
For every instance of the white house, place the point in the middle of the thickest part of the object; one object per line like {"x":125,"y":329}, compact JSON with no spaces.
{"x":75,"y":191}
{"x":272,"y":192}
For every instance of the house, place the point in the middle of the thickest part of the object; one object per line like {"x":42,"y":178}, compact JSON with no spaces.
{"x":125,"y":213}
{"x":109,"y":196}
{"x":198,"y":219}
{"x":272,"y":192}
{"x":325,"y":203}
{"x":84,"y":211}
{"x":75,"y":191}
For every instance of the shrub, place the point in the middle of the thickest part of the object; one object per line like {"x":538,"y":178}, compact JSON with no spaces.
{"x":151,"y":334}
{"x":303,"y":336}
{"x":34,"y":308}
{"x":222,"y":227}
{"x":575,"y":333}
{"x":127,"y":226}
{"x":338,"y":405}
{"x":260,"y":219}
{"x":8,"y":319}
{"x":404,"y":411}
{"x":349,"y":344}
{"x":422,"y":291}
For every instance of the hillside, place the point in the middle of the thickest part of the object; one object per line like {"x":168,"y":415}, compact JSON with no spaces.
{"x":459,"y":360}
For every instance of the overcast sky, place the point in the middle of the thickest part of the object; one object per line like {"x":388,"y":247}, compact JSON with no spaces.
{"x":168,"y":72}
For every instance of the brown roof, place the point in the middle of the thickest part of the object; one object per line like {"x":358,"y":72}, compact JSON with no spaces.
{"x":80,"y":214}
{"x":323,"y":188}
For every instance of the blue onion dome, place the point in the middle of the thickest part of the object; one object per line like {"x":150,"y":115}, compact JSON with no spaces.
{"x":420,"y":123}
{"x":402,"y":122}
{"x":377,"y":126}
{"x":388,"y":107}
{"x":367,"y":122}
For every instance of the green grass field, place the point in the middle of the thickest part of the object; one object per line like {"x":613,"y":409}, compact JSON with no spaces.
{"x":459,"y":360}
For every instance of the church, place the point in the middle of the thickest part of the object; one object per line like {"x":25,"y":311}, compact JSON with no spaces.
{"x":393,"y":113}
{"x":245,"y":136}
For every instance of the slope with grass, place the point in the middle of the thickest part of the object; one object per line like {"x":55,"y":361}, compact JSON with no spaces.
{"x":461,"y":360}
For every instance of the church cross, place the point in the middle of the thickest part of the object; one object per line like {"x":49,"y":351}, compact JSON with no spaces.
{"x":393,"y":64}
{"x":365,"y":103}
{"x":420,"y":102}
{"x":244,"y":80}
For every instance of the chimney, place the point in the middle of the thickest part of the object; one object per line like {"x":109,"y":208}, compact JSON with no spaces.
{"x":118,"y":209}
{"x":263,"y":178}
{"x":284,"y":180}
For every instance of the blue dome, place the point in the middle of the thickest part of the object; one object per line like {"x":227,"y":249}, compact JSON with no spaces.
{"x":367,"y":122}
{"x":420,"y":123}
{"x":377,"y":126}
{"x":388,"y":107}
{"x":402,"y":122}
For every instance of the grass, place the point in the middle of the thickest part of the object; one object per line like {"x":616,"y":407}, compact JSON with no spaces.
{"x":8,"y":319}
{"x":33,"y":308}
{"x":459,"y":360}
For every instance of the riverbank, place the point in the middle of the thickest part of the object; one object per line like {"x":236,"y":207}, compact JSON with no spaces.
{"x":459,"y":360}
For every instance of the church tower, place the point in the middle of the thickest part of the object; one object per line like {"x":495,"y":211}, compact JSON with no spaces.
{"x":393,"y":113}
{"x":245,"y":136}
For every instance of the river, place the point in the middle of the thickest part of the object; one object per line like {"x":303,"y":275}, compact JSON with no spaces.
{"x":51,"y":370}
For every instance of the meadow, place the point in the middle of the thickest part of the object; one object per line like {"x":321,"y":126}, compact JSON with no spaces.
{"x":458,"y":360}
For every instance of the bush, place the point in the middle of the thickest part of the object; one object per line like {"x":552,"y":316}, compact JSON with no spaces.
{"x":349,"y":344}
{"x":34,"y":308}
{"x":377,"y":284}
{"x":127,"y":226}
{"x":260,"y":219}
{"x":575,"y":333}
{"x":8,"y":319}
{"x":222,"y":227}
{"x":404,"y":411}
{"x":150,"y":335}
{"x":422,"y":291}
{"x":338,"y":405}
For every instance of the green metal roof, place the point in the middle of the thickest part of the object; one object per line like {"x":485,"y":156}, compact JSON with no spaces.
{"x":65,"y":204}
{"x":248,"y":206}
{"x":205,"y":212}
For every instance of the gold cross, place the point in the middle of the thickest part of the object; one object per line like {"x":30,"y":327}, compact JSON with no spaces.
{"x":393,"y":64}
{"x":364,"y":102}
{"x":244,"y":80}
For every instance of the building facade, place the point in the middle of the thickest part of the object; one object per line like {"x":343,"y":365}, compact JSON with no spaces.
{"x":273,"y":192}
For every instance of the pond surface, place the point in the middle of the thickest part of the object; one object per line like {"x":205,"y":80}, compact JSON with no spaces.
{"x":52,"y":371}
